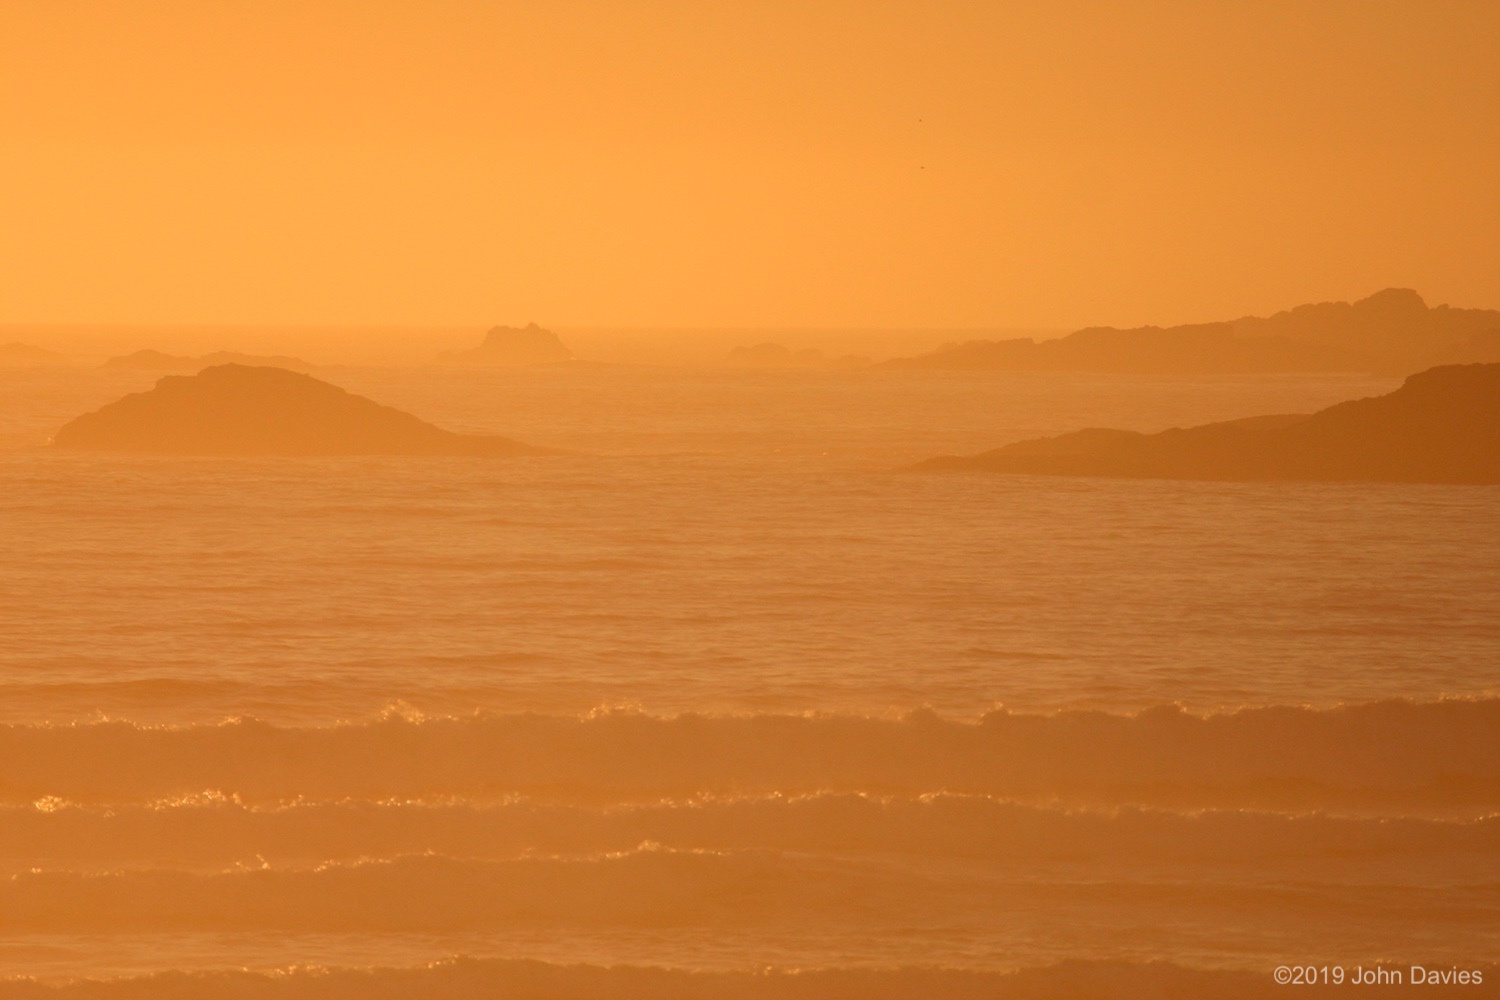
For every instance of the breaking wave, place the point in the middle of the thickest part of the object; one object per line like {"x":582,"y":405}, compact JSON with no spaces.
{"x":213,"y":830}
{"x":654,"y":886}
{"x":1392,"y":757}
{"x":1005,"y":842}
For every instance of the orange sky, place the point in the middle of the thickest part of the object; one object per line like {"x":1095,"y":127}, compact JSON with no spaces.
{"x":741,"y":164}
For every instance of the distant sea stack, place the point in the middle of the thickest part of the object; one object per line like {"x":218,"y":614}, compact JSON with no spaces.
{"x":247,"y":410}
{"x":1392,"y":332}
{"x":506,"y":346}
{"x":157,"y":361}
{"x":1441,"y":426}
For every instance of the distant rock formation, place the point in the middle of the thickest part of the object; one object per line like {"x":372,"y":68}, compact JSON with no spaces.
{"x":771,"y":355}
{"x":1392,"y":332}
{"x":1441,"y":426}
{"x":505,"y":346}
{"x":244,"y":410}
{"x":28,"y":354}
{"x":157,"y":361}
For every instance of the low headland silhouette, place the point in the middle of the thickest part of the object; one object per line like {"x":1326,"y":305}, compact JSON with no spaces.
{"x":1392,"y":332}
{"x":1441,"y":426}
{"x":159,"y":361}
{"x":775,"y":355}
{"x":506,"y":346}
{"x":253,"y":410}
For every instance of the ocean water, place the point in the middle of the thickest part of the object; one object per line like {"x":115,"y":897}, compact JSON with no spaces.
{"x":724,"y":703}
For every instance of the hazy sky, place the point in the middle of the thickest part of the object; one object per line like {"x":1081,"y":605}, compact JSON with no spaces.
{"x":742,"y":164}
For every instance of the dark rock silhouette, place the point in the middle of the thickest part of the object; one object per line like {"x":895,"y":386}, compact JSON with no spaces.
{"x":246,"y":410}
{"x":161,"y":362}
{"x":1441,"y":426}
{"x":510,"y":345}
{"x":1391,"y":332}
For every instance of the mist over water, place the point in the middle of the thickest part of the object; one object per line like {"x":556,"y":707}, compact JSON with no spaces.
{"x":721,"y":691}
